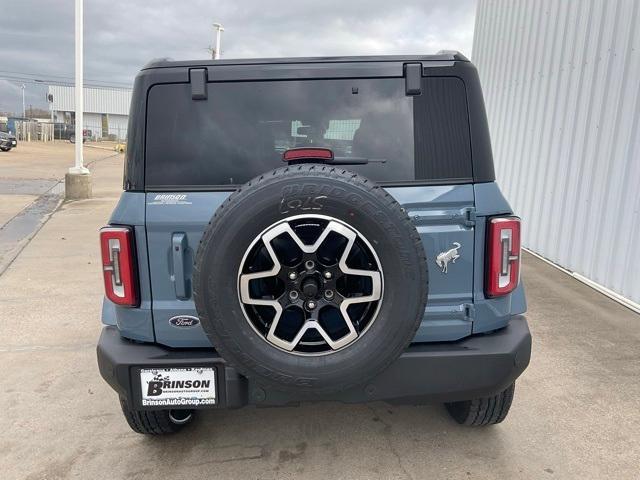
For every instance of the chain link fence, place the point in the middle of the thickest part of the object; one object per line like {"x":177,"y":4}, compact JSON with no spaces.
{"x":100,"y":132}
{"x":32,"y":131}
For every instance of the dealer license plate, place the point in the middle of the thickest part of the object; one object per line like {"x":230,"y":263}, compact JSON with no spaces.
{"x":175,"y":387}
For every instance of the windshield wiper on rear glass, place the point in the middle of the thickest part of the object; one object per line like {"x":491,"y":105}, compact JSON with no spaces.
{"x":354,"y":161}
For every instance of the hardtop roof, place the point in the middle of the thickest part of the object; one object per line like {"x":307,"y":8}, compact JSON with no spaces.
{"x":443,"y":55}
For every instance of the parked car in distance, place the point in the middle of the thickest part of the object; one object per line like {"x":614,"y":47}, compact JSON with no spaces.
{"x":7,"y":141}
{"x":86,"y":135}
{"x":311,"y":229}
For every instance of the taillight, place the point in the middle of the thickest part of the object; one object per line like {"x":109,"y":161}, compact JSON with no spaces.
{"x":118,"y":265}
{"x":503,"y":256}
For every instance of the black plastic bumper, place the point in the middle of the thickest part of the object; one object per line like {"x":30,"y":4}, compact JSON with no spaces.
{"x":477,"y":366}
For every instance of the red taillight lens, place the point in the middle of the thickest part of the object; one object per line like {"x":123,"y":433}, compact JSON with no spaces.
{"x":503,"y":256}
{"x":118,"y":265}
{"x":307,"y":154}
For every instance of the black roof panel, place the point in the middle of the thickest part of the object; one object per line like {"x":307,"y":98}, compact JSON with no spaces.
{"x":440,"y":56}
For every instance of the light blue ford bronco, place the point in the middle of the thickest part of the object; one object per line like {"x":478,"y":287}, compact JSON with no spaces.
{"x":308,"y":229}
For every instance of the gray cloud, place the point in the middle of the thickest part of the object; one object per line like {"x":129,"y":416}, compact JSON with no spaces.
{"x":121,"y":36}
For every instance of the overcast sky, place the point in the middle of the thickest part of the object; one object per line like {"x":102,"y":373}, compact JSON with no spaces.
{"x":36,"y":36}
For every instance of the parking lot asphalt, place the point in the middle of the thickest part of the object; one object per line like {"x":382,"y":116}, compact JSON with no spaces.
{"x":575,"y":413}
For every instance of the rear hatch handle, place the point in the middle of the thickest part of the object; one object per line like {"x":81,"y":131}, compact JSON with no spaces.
{"x":178,"y":254}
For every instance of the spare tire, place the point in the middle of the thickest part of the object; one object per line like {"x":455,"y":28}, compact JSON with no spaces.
{"x":310,"y":279}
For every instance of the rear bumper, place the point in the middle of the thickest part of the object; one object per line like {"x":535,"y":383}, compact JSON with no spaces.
{"x":477,"y":366}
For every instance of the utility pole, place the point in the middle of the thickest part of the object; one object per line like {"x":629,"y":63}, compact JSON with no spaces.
{"x":24,"y":113}
{"x":215,"y":51}
{"x":78,"y":180}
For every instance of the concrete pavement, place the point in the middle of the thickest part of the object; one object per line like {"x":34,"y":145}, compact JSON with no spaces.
{"x":575,"y":413}
{"x":37,"y":160}
{"x":31,"y":189}
{"x":10,"y":205}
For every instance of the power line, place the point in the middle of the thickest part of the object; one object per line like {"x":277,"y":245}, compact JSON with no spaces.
{"x":66,"y":77}
{"x":49,"y":79}
{"x":45,"y":82}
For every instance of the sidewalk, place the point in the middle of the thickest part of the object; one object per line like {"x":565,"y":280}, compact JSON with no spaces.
{"x":574,"y":414}
{"x":31,"y":188}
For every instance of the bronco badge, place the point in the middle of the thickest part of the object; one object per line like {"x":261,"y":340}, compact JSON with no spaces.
{"x":451,"y":255}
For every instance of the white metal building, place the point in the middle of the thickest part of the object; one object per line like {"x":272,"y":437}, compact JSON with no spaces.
{"x":106,"y":109}
{"x":561,"y":80}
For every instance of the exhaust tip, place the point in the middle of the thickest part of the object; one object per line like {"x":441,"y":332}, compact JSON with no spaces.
{"x":180,"y":417}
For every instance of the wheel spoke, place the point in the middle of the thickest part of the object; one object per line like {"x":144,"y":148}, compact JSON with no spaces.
{"x":246,"y":278}
{"x":314,"y":325}
{"x":331,"y":227}
{"x":346,"y":339}
{"x":272,"y":337}
{"x":374,"y":275}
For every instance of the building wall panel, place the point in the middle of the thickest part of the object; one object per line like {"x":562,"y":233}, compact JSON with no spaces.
{"x":96,"y":99}
{"x":562,"y":88}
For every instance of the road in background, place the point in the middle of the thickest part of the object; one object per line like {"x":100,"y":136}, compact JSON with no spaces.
{"x":575,"y":414}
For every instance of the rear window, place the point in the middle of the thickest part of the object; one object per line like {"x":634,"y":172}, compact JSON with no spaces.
{"x":242,"y":129}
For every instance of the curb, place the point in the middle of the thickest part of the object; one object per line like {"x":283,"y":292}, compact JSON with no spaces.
{"x":30,"y":220}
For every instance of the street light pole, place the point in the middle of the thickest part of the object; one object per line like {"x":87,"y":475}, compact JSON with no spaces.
{"x":79,"y":167}
{"x":216,"y":51}
{"x":77,"y":182}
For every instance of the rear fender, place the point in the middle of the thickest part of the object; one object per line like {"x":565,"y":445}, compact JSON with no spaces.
{"x":491,"y":313}
{"x":134,"y":323}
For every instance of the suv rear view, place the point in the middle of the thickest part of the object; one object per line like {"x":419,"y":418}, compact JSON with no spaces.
{"x":311,"y":229}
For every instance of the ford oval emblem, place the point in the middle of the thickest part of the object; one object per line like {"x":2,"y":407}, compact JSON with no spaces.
{"x":184,"y":321}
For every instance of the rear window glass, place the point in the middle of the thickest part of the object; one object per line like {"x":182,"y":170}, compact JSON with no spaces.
{"x":242,"y":129}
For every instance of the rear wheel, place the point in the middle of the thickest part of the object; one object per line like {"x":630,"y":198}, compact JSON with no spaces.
{"x":155,"y":422}
{"x":484,"y":410}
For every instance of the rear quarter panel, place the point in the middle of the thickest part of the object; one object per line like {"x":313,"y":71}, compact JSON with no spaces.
{"x":491,"y":313}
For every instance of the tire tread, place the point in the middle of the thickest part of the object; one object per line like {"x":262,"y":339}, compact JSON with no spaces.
{"x":148,"y":422}
{"x":484,"y":410}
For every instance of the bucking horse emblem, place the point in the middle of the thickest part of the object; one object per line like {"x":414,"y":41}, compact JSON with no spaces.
{"x":451,"y":255}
